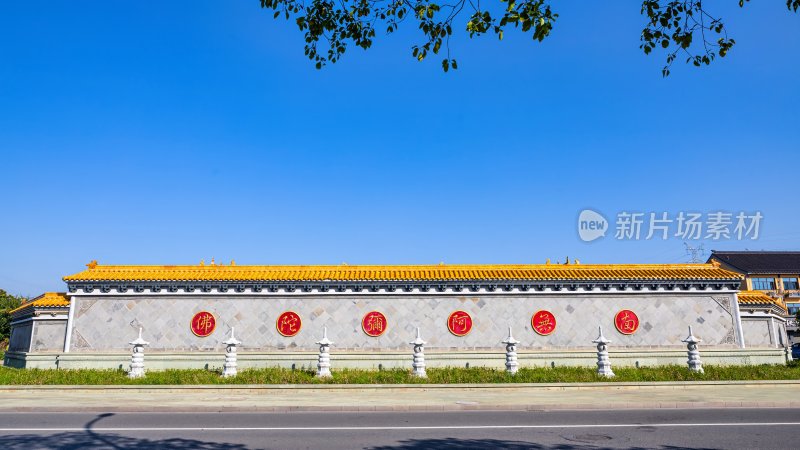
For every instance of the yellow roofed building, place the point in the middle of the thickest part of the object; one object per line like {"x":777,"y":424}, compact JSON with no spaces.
{"x":185,"y":312}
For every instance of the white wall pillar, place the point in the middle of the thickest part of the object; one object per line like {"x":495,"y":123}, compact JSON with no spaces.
{"x":68,"y":338}
{"x":737,"y":319}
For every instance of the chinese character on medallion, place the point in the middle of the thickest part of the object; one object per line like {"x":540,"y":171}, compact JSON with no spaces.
{"x":374,"y":323}
{"x":459,"y":323}
{"x":203,"y":324}
{"x":626,"y":321}
{"x":543,"y":322}
{"x":288,"y":324}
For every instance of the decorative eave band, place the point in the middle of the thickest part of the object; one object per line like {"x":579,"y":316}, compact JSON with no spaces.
{"x":401,"y":286}
{"x":770,"y":308}
{"x":27,"y":310}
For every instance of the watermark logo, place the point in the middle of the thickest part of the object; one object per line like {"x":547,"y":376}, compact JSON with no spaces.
{"x":634,"y":226}
{"x":591,"y":225}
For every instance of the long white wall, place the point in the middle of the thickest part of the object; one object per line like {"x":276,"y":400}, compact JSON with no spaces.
{"x":107,"y":322}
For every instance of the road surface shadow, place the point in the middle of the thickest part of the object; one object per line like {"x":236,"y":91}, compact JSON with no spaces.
{"x":91,"y":439}
{"x":82,"y":440}
{"x":464,"y":444}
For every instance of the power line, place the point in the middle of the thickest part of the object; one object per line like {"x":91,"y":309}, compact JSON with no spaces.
{"x":695,"y":253}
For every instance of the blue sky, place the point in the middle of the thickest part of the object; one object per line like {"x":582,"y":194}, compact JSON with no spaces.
{"x":167,"y":133}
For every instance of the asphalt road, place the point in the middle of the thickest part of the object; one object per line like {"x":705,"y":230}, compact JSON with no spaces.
{"x":695,"y":428}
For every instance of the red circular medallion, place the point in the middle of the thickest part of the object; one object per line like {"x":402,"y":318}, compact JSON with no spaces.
{"x":288,"y":324}
{"x":374,"y":323}
{"x":203,"y":324}
{"x":459,"y":323}
{"x":626,"y":321}
{"x":543,"y":322}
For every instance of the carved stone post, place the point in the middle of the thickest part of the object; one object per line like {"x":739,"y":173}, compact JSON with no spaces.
{"x":137,"y":356}
{"x":324,"y":361}
{"x":418,"y":365}
{"x":603,"y":364}
{"x":229,"y":369}
{"x":511,"y":353}
{"x":695,"y":365}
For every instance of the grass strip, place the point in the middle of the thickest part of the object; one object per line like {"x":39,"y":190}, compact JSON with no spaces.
{"x":449,"y":375}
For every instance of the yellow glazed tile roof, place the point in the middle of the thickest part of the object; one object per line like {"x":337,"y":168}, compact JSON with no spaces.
{"x":46,"y":300}
{"x":760,"y":298}
{"x":441,"y":272}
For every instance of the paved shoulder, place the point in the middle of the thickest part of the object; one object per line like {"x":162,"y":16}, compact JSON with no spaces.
{"x":399,"y":398}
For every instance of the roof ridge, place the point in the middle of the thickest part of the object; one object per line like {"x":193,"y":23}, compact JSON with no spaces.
{"x":383,"y":266}
{"x":408,"y":272}
{"x":753,"y":252}
{"x":48,"y":299}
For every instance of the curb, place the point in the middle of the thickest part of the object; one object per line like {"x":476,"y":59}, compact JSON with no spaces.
{"x":422,"y":386}
{"x":417,"y":408}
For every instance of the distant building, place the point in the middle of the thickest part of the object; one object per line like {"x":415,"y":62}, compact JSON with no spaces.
{"x":773,"y":273}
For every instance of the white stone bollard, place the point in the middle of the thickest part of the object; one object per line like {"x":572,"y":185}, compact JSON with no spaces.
{"x":603,"y":364}
{"x":418,"y":364}
{"x":695,"y":365}
{"x":137,"y":357}
{"x":511,"y":353}
{"x":229,"y":369}
{"x":324,"y":362}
